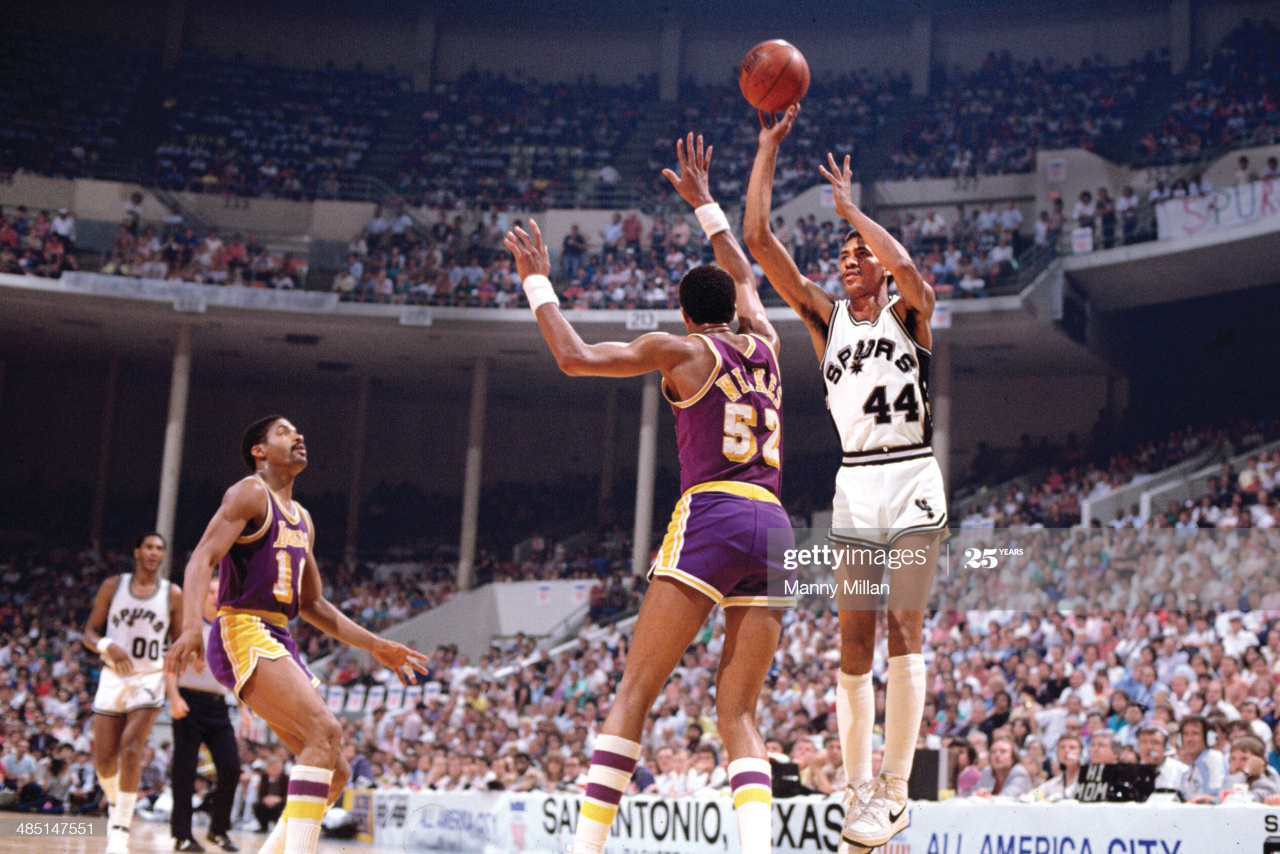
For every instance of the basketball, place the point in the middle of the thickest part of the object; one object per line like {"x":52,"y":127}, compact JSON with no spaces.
{"x":773,"y":76}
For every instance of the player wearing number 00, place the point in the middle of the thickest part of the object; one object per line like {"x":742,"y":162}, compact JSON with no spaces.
{"x":873,"y":351}
{"x":133,"y":616}
{"x":727,"y":397}
{"x":262,"y":542}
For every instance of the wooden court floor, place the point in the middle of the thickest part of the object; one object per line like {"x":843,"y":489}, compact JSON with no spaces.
{"x":153,"y":838}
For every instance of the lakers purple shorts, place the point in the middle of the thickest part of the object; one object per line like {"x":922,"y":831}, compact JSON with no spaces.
{"x":240,"y":639}
{"x":718,"y":544}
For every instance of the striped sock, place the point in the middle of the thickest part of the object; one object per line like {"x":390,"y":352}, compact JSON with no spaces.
{"x":752,"y":787}
{"x":612,"y":764}
{"x":308,"y":798}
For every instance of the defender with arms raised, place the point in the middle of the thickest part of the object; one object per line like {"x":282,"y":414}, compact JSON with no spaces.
{"x":726,"y":393}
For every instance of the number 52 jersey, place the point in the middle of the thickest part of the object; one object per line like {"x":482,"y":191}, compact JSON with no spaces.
{"x":729,"y":437}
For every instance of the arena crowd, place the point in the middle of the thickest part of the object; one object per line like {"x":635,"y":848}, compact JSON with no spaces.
{"x":1096,"y":646}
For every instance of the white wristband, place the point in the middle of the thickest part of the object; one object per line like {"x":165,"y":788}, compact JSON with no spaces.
{"x":103,"y":643}
{"x":712,"y":219}
{"x":538,"y":290}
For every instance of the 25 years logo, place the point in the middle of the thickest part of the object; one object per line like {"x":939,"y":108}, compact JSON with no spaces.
{"x":987,"y":558}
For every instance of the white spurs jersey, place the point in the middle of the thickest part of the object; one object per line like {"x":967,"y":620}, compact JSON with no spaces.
{"x":140,"y":626}
{"x":877,"y":380}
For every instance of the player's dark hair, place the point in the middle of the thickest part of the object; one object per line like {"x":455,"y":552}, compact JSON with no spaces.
{"x":148,"y":535}
{"x":708,"y":295}
{"x":254,"y":435}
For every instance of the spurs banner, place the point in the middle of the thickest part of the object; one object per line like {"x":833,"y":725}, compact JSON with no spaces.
{"x":1225,"y":208}
{"x":507,"y":823}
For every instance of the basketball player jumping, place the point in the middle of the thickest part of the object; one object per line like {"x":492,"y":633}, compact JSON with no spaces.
{"x":725,"y":391}
{"x":132,"y":618}
{"x":262,"y":542}
{"x":874,"y":355}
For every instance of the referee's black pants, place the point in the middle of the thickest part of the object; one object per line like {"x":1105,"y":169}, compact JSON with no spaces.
{"x":209,"y":723}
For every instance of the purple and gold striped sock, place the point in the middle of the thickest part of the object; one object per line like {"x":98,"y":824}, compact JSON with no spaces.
{"x":304,"y":808}
{"x":612,"y":763}
{"x":752,"y":785}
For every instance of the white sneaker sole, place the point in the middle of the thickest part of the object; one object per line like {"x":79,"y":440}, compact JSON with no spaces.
{"x":869,"y":843}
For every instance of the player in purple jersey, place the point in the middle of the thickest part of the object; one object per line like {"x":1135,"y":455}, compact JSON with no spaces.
{"x":726,"y":393}
{"x":263,"y":542}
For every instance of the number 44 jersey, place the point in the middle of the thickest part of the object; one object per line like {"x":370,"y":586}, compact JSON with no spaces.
{"x":877,"y":380}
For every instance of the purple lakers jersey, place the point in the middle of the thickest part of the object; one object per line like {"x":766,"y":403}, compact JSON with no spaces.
{"x":732,"y":428}
{"x":261,"y":572}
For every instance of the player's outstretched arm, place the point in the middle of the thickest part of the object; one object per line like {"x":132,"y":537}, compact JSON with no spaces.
{"x":694,"y":187}
{"x":241,"y":505}
{"x":96,"y":626}
{"x":656,"y":351}
{"x":811,"y":302}
{"x":916,"y":293}
{"x":325,"y":616}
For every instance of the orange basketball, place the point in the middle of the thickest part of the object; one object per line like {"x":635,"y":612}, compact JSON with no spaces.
{"x":773,"y":76}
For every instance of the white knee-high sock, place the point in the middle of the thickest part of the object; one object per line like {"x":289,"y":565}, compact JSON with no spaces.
{"x":751,"y":782}
{"x":856,"y":715}
{"x":903,"y":707}
{"x":124,"y":809}
{"x":274,"y":843}
{"x":110,"y":786}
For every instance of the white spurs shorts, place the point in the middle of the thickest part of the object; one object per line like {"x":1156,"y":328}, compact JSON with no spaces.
{"x":119,"y":695}
{"x":877,"y":503}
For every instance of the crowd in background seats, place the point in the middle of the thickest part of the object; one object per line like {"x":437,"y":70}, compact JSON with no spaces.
{"x":1071,"y":478}
{"x":487,"y":142}
{"x":448,"y":264}
{"x":38,"y":244}
{"x":259,"y":130}
{"x":840,"y":115}
{"x":174,"y":250}
{"x":1233,"y":99}
{"x":1034,"y":688}
{"x":992,"y":121}
{"x":63,"y":104}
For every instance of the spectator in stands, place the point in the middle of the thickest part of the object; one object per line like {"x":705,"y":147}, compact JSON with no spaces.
{"x":273,"y":788}
{"x":1102,"y":748}
{"x":1206,"y":775}
{"x":1249,"y":771}
{"x":1084,"y":211}
{"x":1004,"y":777}
{"x":1153,"y":750}
{"x":1065,"y":783}
{"x":1105,"y":209}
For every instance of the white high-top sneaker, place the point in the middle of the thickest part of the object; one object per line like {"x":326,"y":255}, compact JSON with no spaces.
{"x":856,"y":798}
{"x":885,"y":815}
{"x":117,"y":840}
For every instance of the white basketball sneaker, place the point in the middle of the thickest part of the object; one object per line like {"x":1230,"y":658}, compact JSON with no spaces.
{"x":884,"y":816}
{"x":856,"y":797}
{"x":117,"y":840}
